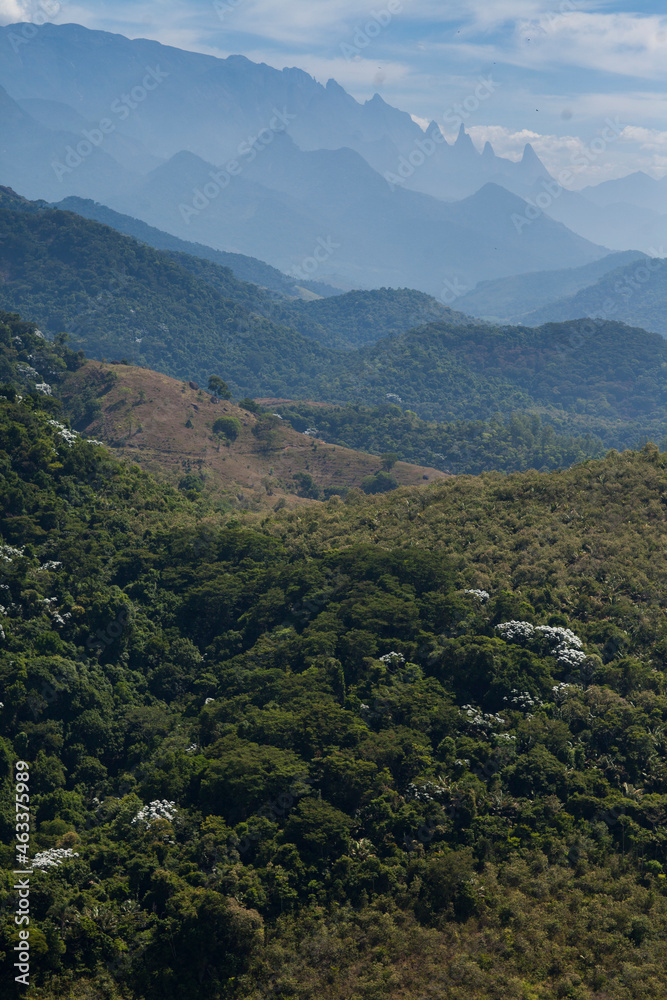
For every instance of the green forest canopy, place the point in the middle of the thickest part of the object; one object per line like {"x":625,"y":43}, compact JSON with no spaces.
{"x":376,"y":747}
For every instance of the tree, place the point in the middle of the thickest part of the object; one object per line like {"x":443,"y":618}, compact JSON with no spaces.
{"x":266,"y":432}
{"x":249,"y":404}
{"x":229,"y":427}
{"x":219,"y":388}
{"x":389,"y":460}
{"x":306,"y":485}
{"x":381,"y":482}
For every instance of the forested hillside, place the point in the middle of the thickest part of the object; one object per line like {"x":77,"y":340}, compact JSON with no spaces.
{"x":245,"y":268}
{"x":187,"y":317}
{"x":358,"y":318}
{"x":635,"y":293}
{"x":519,"y":442}
{"x":384,"y":747}
{"x":509,"y":300}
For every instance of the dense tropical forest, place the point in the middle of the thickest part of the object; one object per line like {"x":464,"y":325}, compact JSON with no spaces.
{"x":518,"y":442}
{"x":407,"y":746}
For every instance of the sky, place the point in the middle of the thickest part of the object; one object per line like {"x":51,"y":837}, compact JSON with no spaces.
{"x":562,"y":70}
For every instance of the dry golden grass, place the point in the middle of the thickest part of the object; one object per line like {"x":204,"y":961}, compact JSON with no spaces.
{"x":144,"y":417}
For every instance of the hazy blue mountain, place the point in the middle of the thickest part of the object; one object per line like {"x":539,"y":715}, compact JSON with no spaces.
{"x":28,"y":150}
{"x":510,"y":299}
{"x":246,"y":268}
{"x":635,"y":294}
{"x":208,"y":106}
{"x":330,"y":204}
{"x":320,"y":214}
{"x":629,"y":213}
{"x":635,"y":189}
{"x":55,"y":115}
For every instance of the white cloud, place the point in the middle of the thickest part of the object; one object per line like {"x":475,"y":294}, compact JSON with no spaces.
{"x":624,"y":43}
{"x":12,"y":12}
{"x":651,"y":139}
{"x":587,"y":163}
{"x":302,"y":22}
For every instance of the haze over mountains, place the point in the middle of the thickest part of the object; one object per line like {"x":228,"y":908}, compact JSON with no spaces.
{"x":273,"y":174}
{"x":189,"y":317}
{"x":142,"y":127}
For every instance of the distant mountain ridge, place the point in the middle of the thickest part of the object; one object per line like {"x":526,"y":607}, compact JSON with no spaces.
{"x":94,"y":67}
{"x":635,"y":293}
{"x":267,"y":164}
{"x":372,"y":237}
{"x":245,"y":268}
{"x":509,"y":300}
{"x":190,"y":318}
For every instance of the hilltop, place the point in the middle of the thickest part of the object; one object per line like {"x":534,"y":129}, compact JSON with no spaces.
{"x":167,"y":427}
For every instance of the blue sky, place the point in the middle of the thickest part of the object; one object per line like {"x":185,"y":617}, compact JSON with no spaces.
{"x":561,"y":67}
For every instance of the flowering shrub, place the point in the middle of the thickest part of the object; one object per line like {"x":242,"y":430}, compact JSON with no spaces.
{"x":427,"y":791}
{"x":522,"y":700}
{"x":65,"y":433}
{"x":8,"y":551}
{"x":158,"y":809}
{"x":482,"y":720}
{"x":559,"y":642}
{"x":516,"y":631}
{"x":482,"y":594}
{"x":393,"y":659}
{"x":53,"y":857}
{"x":561,"y":635}
{"x":562,"y":690}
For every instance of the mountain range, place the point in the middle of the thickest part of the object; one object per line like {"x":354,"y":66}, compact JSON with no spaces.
{"x":227,"y":153}
{"x":188,"y":317}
